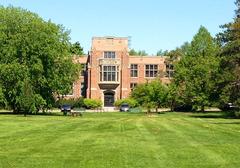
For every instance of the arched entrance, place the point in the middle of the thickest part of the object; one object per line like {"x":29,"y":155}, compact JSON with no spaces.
{"x":108,"y":98}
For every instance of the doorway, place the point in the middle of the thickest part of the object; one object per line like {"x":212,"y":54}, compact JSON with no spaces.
{"x":109,"y":99}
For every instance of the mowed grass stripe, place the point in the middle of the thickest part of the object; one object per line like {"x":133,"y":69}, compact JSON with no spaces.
{"x":196,"y":132}
{"x":201,"y":152}
{"x":118,"y":140}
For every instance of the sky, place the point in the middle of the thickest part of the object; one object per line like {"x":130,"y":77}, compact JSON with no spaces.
{"x":151,"y":24}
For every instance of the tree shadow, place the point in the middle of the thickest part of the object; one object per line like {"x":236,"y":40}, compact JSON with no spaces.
{"x":207,"y":116}
{"x":212,"y":115}
{"x":220,"y":123}
{"x":7,"y":113}
{"x":37,"y":114}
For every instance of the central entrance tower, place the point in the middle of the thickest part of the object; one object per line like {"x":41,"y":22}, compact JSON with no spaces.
{"x":108,"y":69}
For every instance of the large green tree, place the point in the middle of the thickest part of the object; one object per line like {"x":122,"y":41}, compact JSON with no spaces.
{"x":229,"y":81}
{"x":194,"y":77}
{"x":34,"y":51}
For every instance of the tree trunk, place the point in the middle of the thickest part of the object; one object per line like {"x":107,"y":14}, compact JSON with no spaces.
{"x":202,"y":108}
{"x":148,"y":111}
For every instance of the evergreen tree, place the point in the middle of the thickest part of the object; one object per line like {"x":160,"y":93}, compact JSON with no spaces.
{"x":229,"y":83}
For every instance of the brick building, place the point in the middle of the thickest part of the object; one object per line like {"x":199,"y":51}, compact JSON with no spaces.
{"x":109,"y":73}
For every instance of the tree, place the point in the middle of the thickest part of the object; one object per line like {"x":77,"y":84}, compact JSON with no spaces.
{"x":3,"y":102}
{"x":195,"y":72}
{"x":37,"y":51}
{"x":151,"y":95}
{"x":25,"y":101}
{"x":142,"y":53}
{"x":131,"y":102}
{"x":76,"y":49}
{"x":158,"y":93}
{"x":162,"y":53}
{"x":229,"y":81}
{"x":132,"y":52}
{"x":176,"y":54}
{"x":139,"y":53}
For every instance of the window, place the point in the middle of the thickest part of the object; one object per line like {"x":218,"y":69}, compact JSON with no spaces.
{"x":83,"y":90}
{"x":83,"y":69}
{"x":133,"y":85}
{"x":134,"y":70}
{"x":109,"y":54}
{"x":109,"y":73}
{"x":151,"y":70}
{"x":169,"y":70}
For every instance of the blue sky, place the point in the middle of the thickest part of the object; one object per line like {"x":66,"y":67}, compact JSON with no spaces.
{"x":152,"y":24}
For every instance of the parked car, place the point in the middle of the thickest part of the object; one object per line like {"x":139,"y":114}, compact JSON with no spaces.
{"x":124,"y":107}
{"x":230,"y":107}
{"x":66,"y":108}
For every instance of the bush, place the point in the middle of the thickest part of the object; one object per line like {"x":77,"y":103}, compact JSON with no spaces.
{"x":79,"y":102}
{"x":130,"y":101}
{"x":136,"y":110}
{"x":92,"y":103}
{"x":75,"y":103}
{"x":40,"y":103}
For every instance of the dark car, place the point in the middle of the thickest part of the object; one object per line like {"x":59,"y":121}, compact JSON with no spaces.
{"x":230,"y":107}
{"x":66,"y":108}
{"x":124,"y":107}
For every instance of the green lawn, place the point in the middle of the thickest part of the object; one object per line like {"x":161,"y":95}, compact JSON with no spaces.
{"x":112,"y":140}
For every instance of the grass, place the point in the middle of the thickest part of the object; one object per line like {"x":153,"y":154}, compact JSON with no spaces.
{"x":112,"y":140}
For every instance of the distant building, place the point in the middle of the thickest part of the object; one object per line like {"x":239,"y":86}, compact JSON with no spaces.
{"x":109,"y":73}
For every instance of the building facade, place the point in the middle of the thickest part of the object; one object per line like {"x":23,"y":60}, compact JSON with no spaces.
{"x":109,"y":73}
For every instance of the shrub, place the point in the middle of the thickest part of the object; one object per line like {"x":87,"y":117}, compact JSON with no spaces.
{"x":92,"y":103}
{"x":130,"y":101}
{"x":40,"y":103}
{"x":61,"y":102}
{"x":136,"y":110}
{"x":79,"y":102}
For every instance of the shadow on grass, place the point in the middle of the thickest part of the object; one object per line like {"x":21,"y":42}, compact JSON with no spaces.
{"x":37,"y":114}
{"x":226,"y":123}
{"x":213,"y":115}
{"x":144,"y":113}
{"x":208,"y":116}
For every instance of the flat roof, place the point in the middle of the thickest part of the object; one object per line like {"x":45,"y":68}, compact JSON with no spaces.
{"x":110,"y":37}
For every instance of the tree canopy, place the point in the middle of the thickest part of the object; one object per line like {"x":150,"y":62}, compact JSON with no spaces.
{"x":195,"y":72}
{"x":229,"y":81}
{"x":151,"y":95}
{"x":139,"y":53}
{"x":162,"y":53}
{"x":33,"y":53}
{"x":76,"y":49}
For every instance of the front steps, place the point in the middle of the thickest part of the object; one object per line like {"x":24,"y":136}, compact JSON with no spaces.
{"x":110,"y":109}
